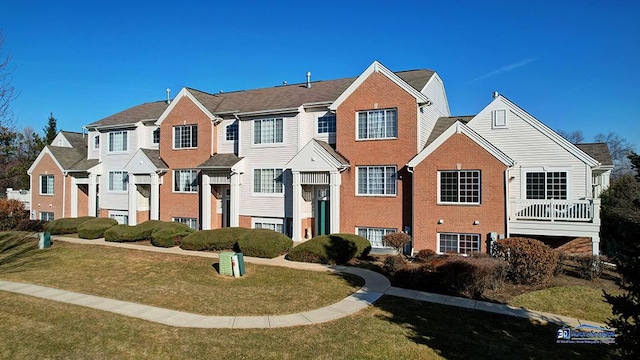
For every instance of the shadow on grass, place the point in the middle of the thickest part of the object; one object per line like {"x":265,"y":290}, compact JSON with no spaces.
{"x":19,"y":251}
{"x":457,"y":333}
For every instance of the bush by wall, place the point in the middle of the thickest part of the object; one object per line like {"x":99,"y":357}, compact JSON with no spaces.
{"x":65,"y":225}
{"x":263,"y":243}
{"x":213,"y":240}
{"x":12,"y":212}
{"x":393,"y":263}
{"x":529,"y":261}
{"x":31,"y":225}
{"x":170,"y":234}
{"x":95,"y":228}
{"x":331,"y":249}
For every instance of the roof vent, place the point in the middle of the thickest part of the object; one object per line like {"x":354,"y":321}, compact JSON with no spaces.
{"x":495,"y":94}
{"x":284,"y":83}
{"x":168,"y":96}
{"x":308,"y":79}
{"x":221,"y":91}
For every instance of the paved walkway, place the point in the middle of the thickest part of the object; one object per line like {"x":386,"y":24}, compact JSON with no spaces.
{"x":375,"y":286}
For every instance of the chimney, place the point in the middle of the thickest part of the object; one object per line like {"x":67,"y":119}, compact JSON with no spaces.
{"x":168,"y":96}
{"x":308,"y":79}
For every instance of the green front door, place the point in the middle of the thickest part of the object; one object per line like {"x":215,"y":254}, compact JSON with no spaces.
{"x":323,"y":217}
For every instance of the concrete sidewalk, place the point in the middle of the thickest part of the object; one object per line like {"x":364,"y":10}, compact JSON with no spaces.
{"x":375,"y":286}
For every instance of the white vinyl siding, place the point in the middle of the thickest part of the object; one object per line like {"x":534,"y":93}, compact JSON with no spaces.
{"x":376,"y":180}
{"x":459,"y":187}
{"x":118,"y":141}
{"x":46,"y":184}
{"x":118,"y":180}
{"x":190,"y":222}
{"x":185,"y":137}
{"x":378,"y":124}
{"x":267,"y":181}
{"x":458,"y":243}
{"x":375,"y":235}
{"x":185,"y":181}
{"x":268,"y":131}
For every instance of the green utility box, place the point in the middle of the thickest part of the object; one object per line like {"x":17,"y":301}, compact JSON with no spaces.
{"x":240,"y":263}
{"x":224,"y":263}
{"x":44,"y":240}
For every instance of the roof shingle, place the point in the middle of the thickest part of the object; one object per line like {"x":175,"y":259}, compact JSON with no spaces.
{"x":598,"y":151}
{"x":443,"y":123}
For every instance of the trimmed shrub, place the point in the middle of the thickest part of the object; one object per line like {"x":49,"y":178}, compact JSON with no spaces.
{"x":213,"y":240}
{"x":530,"y":261}
{"x":425,"y":255}
{"x":589,"y":266}
{"x":126,"y":233}
{"x":331,"y":249}
{"x":393,"y":263}
{"x":12,"y":212}
{"x":31,"y":225}
{"x":95,"y":228}
{"x":397,"y":240}
{"x":65,"y":225}
{"x":263,"y":243}
{"x":170,"y":234}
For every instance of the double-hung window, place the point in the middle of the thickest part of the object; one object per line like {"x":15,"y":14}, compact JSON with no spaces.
{"x":546,"y":185}
{"x":377,"y":180}
{"x":46,"y":216}
{"x":269,"y":225}
{"x":185,"y":181}
{"x":268,"y":131}
{"x":327,"y":124}
{"x":190,"y":222}
{"x":378,"y":124}
{"x":185,"y":137}
{"x":459,"y":187}
{"x":267,"y":181}
{"x":118,"y":180}
{"x":232,"y":132}
{"x":46,"y":184}
{"x":458,"y":243}
{"x":117,"y":141}
{"x":375,"y":235}
{"x":96,"y":142}
{"x":156,"y":136}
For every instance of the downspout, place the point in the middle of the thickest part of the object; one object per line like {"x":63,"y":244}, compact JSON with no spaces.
{"x":64,"y":192}
{"x":413,"y":186}
{"x":507,"y":201}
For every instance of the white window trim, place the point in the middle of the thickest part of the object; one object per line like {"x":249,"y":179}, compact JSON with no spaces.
{"x":53,"y":191}
{"x":525,"y":170}
{"x":273,"y":221}
{"x":385,"y":186}
{"x":96,"y":146}
{"x":115,"y":214}
{"x":274,"y":194}
{"x":387,"y":231}
{"x":458,"y":234}
{"x":494,"y":117}
{"x":186,"y":220}
{"x":47,"y":212}
{"x":224,"y":136}
{"x":153,"y":142}
{"x":126,"y":176}
{"x":273,"y":144}
{"x":380,"y":138}
{"x":173,"y":182}
{"x":173,"y":137}
{"x":126,"y":132}
{"x":440,"y":202}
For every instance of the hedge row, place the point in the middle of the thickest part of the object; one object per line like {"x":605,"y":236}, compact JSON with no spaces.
{"x":163,"y":234}
{"x":213,"y":240}
{"x":95,"y":228}
{"x":331,"y":249}
{"x":65,"y":225}
{"x":251,"y":242}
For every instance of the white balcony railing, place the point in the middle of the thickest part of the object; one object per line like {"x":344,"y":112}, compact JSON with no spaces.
{"x":553,"y":210}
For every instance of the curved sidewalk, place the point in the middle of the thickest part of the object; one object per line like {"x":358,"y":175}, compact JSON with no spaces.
{"x":375,"y":286}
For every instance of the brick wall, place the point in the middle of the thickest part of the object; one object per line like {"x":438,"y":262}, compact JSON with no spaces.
{"x":174,"y":204}
{"x":458,"y":149}
{"x":47,"y":203}
{"x":376,"y":92}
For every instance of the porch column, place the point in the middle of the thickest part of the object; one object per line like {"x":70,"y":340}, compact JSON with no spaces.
{"x":74,"y":197}
{"x":93,"y":183}
{"x":595,"y":239}
{"x":133,"y":203}
{"x":296,"y":231}
{"x":154,"y":201}
{"x":234,"y":212}
{"x":335,"y":179}
{"x":205,"y":202}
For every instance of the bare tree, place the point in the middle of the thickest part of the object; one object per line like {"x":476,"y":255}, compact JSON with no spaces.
{"x":575,"y":136}
{"x":7,"y":91}
{"x":619,"y":148}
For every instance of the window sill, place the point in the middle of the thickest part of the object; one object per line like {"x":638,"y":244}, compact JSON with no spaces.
{"x":46,"y":194}
{"x":268,"y":195}
{"x":184,"y":148}
{"x":270,"y":145}
{"x":185,"y":192}
{"x":378,"y":139}
{"x":378,"y":195}
{"x":458,"y":204}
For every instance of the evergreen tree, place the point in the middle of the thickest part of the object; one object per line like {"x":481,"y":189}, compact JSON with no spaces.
{"x":51,"y":130}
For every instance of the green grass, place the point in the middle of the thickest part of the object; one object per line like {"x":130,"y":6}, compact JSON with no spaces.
{"x":393,"y":328}
{"x":577,"y":301}
{"x":181,"y":282}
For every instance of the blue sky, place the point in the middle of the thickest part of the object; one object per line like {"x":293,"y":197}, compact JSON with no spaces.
{"x":573,"y":64}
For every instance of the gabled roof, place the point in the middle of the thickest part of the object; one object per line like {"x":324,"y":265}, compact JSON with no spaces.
{"x":598,"y":151}
{"x":154,"y":157}
{"x":71,"y":159}
{"x":220,"y":161}
{"x":443,"y":124}
{"x":77,"y":140}
{"x":336,"y":155}
{"x":146,"y":111}
{"x":317,"y":155}
{"x":460,"y":128}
